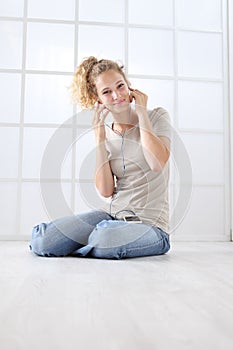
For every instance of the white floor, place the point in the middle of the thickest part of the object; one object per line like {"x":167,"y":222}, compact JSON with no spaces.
{"x":183,"y":300}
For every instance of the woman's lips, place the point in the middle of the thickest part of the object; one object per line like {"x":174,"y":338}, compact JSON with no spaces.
{"x":119,"y":102}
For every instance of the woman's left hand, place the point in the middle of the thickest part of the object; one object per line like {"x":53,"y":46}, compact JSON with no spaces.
{"x":140,"y":99}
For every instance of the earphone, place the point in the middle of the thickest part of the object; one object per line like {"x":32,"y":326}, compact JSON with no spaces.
{"x":130,"y":97}
{"x":123,"y":168}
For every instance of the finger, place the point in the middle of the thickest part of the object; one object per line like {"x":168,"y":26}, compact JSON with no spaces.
{"x":138,"y":91}
{"x":135,"y":92}
{"x":98,"y":110}
{"x":103,"y":116}
{"x":95,"y":117}
{"x":100,"y":117}
{"x":100,"y":107}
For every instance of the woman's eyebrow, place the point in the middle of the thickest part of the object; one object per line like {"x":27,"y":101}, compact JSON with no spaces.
{"x":120,"y":81}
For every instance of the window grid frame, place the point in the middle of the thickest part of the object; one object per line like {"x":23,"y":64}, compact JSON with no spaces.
{"x":175,"y":77}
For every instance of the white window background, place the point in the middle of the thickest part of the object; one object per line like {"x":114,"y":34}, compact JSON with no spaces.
{"x":174,"y":50}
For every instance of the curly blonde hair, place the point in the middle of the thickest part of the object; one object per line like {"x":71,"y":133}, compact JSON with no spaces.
{"x":83,"y":88}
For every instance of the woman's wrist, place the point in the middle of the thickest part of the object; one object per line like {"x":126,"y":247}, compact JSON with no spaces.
{"x":100,"y":141}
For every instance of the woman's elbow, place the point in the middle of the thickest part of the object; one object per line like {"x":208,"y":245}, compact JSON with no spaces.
{"x":159,"y":165}
{"x":105,"y":193}
{"x":158,"y":168}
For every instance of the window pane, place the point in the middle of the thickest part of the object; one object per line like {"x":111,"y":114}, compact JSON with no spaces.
{"x":206,"y":100}
{"x":9,"y":144}
{"x":84,"y":118}
{"x":154,"y":12}
{"x":205,"y":218}
{"x":52,"y":9}
{"x":103,"y":42}
{"x":154,"y":55}
{"x":11,"y":8}
{"x":200,"y":55}
{"x":8,"y":207}
{"x":10,"y":86}
{"x":101,"y":10}
{"x":206,"y":155}
{"x":199,"y":14}
{"x":86,"y":151}
{"x":50,"y":47}
{"x":35,"y":145}
{"x":11,"y":42}
{"x":33,"y":215}
{"x":47,"y":99}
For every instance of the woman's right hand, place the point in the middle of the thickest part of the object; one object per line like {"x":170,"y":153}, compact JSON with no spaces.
{"x":98,"y":122}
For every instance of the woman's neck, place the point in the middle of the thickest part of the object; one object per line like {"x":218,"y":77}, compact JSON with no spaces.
{"x":121,"y":128}
{"x":124,"y":121}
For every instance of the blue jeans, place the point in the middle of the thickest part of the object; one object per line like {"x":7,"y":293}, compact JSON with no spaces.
{"x":96,"y":234}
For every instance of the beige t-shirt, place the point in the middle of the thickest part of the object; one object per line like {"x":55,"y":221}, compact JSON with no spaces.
{"x":138,"y":188}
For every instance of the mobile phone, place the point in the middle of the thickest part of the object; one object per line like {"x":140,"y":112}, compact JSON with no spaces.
{"x":134,"y":219}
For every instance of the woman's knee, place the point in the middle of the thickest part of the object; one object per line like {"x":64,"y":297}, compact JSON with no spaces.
{"x":47,"y":240}
{"x":36,"y":244}
{"x":40,"y":243}
{"x":166,"y":246}
{"x":165,"y":242}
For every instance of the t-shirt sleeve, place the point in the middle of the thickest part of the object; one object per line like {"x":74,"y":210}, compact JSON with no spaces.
{"x":160,"y":121}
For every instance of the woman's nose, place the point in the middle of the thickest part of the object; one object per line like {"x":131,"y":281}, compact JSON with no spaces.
{"x":114,"y":95}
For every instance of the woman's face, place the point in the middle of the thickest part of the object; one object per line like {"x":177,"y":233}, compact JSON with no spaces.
{"x":112,"y":91}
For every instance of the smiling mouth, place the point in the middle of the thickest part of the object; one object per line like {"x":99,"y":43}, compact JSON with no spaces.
{"x":118,"y":102}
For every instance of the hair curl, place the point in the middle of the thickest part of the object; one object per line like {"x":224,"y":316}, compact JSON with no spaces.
{"x":83,"y":88}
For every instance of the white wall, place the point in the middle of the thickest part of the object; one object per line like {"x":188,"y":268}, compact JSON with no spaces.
{"x":176,"y":51}
{"x":230,"y":30}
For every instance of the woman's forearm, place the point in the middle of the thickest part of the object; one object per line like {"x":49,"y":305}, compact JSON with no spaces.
{"x":155,"y":150}
{"x":104,"y":179}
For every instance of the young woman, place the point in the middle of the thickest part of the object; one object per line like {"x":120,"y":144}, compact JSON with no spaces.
{"x":132,"y":171}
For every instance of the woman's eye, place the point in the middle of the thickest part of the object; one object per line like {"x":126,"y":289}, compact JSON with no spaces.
{"x":120,"y":85}
{"x":105,"y":92}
